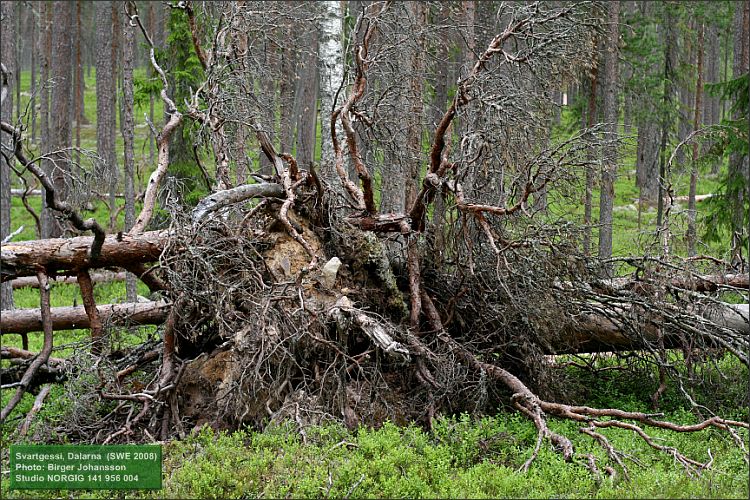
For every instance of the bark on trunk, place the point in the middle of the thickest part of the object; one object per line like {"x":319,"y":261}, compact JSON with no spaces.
{"x":609,"y":167}
{"x":59,"y":255}
{"x":128,"y":126}
{"x":67,"y":318}
{"x":61,"y":137}
{"x":103,"y":277}
{"x":331,"y":64}
{"x":738,"y":163}
{"x":7,"y":48}
{"x":593,"y":333}
{"x":692,"y":212}
{"x":105,"y":93}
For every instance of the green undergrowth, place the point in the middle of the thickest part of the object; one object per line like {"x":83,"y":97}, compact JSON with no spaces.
{"x":461,"y":457}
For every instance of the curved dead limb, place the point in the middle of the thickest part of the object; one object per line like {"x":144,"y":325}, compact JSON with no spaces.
{"x":44,"y":354}
{"x":9,"y":352}
{"x":364,"y":196}
{"x":438,"y":165}
{"x":221,"y":199}
{"x":38,"y":402}
{"x":285,"y":174}
{"x":535,"y":409}
{"x":53,"y":201}
{"x":369,"y":326}
{"x":175,"y":118}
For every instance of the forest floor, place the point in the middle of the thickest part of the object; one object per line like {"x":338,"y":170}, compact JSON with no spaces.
{"x":462,"y":456}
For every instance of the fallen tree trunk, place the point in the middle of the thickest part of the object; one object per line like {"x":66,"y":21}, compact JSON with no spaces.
{"x":102,"y":277}
{"x":38,"y":192}
{"x":596,"y":333}
{"x":699,"y":283}
{"x":599,"y":333}
{"x":57,"y":255}
{"x":66,"y":318}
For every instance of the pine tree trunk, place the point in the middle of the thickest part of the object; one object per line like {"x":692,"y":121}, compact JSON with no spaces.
{"x":286,"y":98}
{"x":128,"y":127}
{"x":7,"y":49}
{"x":105,"y":93}
{"x":439,"y":105}
{"x":34,"y":49}
{"x":306,"y":97}
{"x":692,"y":212}
{"x":46,"y":38}
{"x":589,"y":194}
{"x":17,"y":57}
{"x":670,"y":57}
{"x":61,"y":114}
{"x":609,"y":151}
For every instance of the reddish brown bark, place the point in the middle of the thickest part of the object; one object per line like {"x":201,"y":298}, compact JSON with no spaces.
{"x":59,"y":255}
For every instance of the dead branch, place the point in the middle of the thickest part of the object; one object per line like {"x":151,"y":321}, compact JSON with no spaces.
{"x":344,"y":309}
{"x":175,"y":118}
{"x":9,"y":352}
{"x":44,"y":354}
{"x":221,"y":199}
{"x":52,"y":198}
{"x":38,"y":402}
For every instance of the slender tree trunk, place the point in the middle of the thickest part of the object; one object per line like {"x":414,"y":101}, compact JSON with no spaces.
{"x":128,"y":127}
{"x":151,"y":138}
{"x":711,"y":103}
{"x":439,"y":105}
{"x":692,"y":212}
{"x":105,"y":95}
{"x":686,"y":97}
{"x":666,"y":122}
{"x":34,"y":50}
{"x":609,"y":152}
{"x":78,"y":83}
{"x":647,"y":160}
{"x":331,"y":65}
{"x":61,"y":115}
{"x":306,"y":97}
{"x":589,"y":195}
{"x":47,"y":220}
{"x":739,"y":170}
{"x":114,"y":173}
{"x":286,"y":97}
{"x":7,"y":56}
{"x":418,"y":13}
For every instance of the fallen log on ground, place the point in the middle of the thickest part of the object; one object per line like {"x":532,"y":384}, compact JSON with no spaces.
{"x":66,"y":318}
{"x":598,"y":333}
{"x":595,"y":333}
{"x":38,"y":192}
{"x":102,"y":277}
{"x":698,"y":283}
{"x":57,"y":255}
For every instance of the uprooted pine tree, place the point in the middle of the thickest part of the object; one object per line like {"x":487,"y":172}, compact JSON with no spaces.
{"x":429,"y":264}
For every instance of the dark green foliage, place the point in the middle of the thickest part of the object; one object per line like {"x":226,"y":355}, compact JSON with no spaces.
{"x":733,"y":182}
